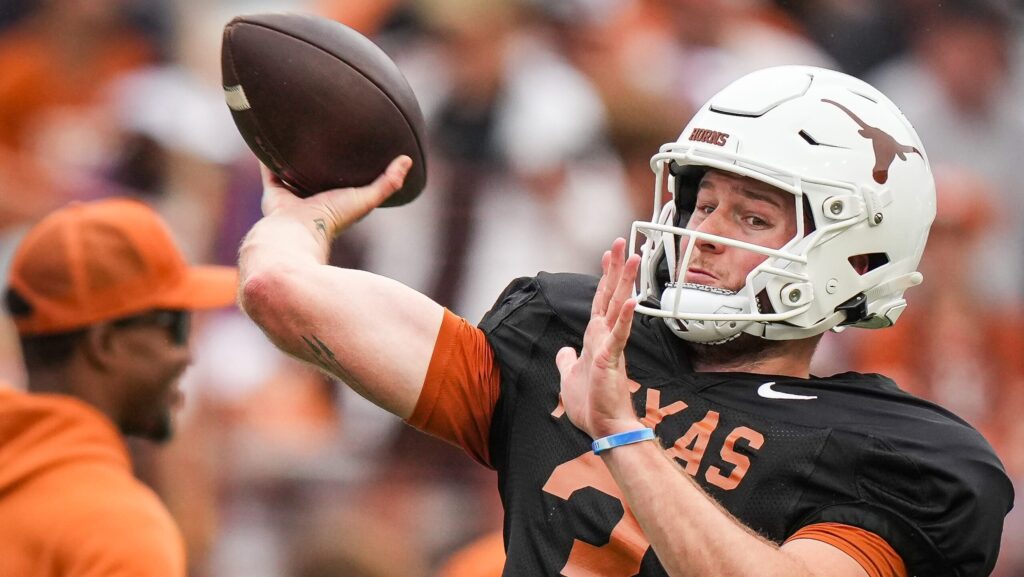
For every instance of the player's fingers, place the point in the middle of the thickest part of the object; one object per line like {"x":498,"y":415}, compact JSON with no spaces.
{"x":352,"y":204}
{"x":274,"y":191}
{"x":623,"y":287}
{"x":613,"y":270}
{"x":393,"y":176}
{"x":600,"y":301}
{"x":620,"y":332}
{"x":615,"y":265}
{"x":565,"y":359}
{"x":267,"y":175}
{"x":369,"y":197}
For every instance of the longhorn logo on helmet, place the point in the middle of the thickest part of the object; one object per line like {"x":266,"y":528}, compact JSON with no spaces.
{"x":886,"y":147}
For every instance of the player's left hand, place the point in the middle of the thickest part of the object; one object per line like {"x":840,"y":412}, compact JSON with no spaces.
{"x":595,"y":391}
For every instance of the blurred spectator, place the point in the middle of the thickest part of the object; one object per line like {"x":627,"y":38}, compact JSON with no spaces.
{"x":685,"y":50}
{"x":56,"y":135}
{"x":12,"y":11}
{"x":610,"y":42}
{"x":367,"y":16}
{"x":181,"y":152}
{"x":344,"y":545}
{"x":653,"y":61}
{"x":725,"y":39}
{"x":519,"y":160}
{"x":957,"y":86}
{"x":101,"y":298}
{"x":859,"y":34}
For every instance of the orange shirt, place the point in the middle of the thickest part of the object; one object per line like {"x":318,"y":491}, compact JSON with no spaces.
{"x":458,"y":397}
{"x":69,"y":504}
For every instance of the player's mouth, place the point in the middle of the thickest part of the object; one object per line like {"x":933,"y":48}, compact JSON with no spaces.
{"x":697,"y":275}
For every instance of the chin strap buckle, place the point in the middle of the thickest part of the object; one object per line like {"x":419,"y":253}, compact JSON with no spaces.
{"x":856,"y":309}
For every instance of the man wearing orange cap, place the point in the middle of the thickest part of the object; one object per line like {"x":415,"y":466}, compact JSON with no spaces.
{"x":101,"y":296}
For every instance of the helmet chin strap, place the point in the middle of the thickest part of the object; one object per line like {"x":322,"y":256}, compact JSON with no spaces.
{"x":698,"y":299}
{"x":702,"y":299}
{"x":785,"y":332}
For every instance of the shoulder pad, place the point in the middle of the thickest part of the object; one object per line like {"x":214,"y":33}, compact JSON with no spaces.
{"x":568,"y":296}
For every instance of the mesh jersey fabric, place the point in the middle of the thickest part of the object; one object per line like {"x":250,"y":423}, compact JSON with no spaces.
{"x":861,"y":453}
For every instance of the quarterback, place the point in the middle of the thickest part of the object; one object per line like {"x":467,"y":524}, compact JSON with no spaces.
{"x":662,"y":420}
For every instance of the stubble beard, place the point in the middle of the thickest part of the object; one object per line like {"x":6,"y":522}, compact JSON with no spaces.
{"x":745,"y":353}
{"x":160,"y":431}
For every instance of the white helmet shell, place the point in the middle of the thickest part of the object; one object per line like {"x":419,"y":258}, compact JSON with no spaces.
{"x":858,"y":174}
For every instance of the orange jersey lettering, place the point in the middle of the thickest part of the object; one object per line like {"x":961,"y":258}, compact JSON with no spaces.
{"x":739,"y":461}
{"x":691,"y":446}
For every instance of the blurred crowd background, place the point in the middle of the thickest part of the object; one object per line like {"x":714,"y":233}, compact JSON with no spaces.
{"x":542,"y":115}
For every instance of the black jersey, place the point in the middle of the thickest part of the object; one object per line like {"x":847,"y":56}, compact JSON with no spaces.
{"x":779,"y":453}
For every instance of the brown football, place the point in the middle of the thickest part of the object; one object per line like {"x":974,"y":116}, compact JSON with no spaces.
{"x":320,"y":104}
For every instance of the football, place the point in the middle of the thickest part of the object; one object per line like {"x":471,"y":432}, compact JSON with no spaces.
{"x":320,"y":104}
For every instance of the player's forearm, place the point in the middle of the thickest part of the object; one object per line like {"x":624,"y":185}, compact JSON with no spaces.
{"x":272,"y":294}
{"x":691,"y":534}
{"x":285,"y":284}
{"x":374,"y":333}
{"x":276,"y":254}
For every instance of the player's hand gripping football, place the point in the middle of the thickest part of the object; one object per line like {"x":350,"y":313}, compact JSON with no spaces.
{"x":333,"y":211}
{"x":595,"y":391}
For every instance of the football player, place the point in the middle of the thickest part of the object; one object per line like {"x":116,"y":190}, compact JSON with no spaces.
{"x":691,"y":438}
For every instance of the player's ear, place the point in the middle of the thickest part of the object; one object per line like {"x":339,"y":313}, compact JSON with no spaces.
{"x":99,"y":346}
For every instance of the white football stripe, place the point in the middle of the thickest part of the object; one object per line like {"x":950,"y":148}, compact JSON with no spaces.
{"x":235,"y":97}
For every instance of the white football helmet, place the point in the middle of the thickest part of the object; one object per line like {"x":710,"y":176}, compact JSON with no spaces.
{"x":858,"y":175}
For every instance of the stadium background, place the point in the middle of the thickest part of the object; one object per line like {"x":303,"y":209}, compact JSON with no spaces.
{"x":543,"y":115}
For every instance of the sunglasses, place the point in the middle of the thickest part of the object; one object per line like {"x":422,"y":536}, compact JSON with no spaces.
{"x":177,"y":323}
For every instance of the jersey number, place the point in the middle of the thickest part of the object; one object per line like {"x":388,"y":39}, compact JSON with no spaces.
{"x":627,"y":545}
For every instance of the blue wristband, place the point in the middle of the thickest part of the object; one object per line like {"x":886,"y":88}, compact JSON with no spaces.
{"x":619,"y":439}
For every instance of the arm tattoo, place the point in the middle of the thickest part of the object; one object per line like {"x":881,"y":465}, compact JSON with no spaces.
{"x":321,"y":225}
{"x":324,"y":355}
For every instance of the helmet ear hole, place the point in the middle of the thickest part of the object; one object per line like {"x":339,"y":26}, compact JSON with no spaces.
{"x":865,"y":263}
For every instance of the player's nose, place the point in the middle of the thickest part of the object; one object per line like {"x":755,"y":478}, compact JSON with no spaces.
{"x":714,"y":224}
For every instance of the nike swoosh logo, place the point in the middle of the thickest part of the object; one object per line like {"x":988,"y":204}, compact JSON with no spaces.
{"x":768,"y":392}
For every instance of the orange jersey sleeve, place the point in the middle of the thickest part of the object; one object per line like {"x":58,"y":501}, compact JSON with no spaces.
{"x":872,"y":552}
{"x":484,"y":557}
{"x":461,"y":388}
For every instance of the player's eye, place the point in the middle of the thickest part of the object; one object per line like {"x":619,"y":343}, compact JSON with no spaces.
{"x":757,"y":222}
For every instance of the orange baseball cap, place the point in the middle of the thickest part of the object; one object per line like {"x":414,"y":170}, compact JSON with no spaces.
{"x":90,"y":262}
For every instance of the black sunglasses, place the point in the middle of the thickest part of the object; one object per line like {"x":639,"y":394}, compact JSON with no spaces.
{"x":178,"y":323}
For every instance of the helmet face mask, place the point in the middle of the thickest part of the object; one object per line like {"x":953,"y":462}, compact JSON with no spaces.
{"x":862,"y":192}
